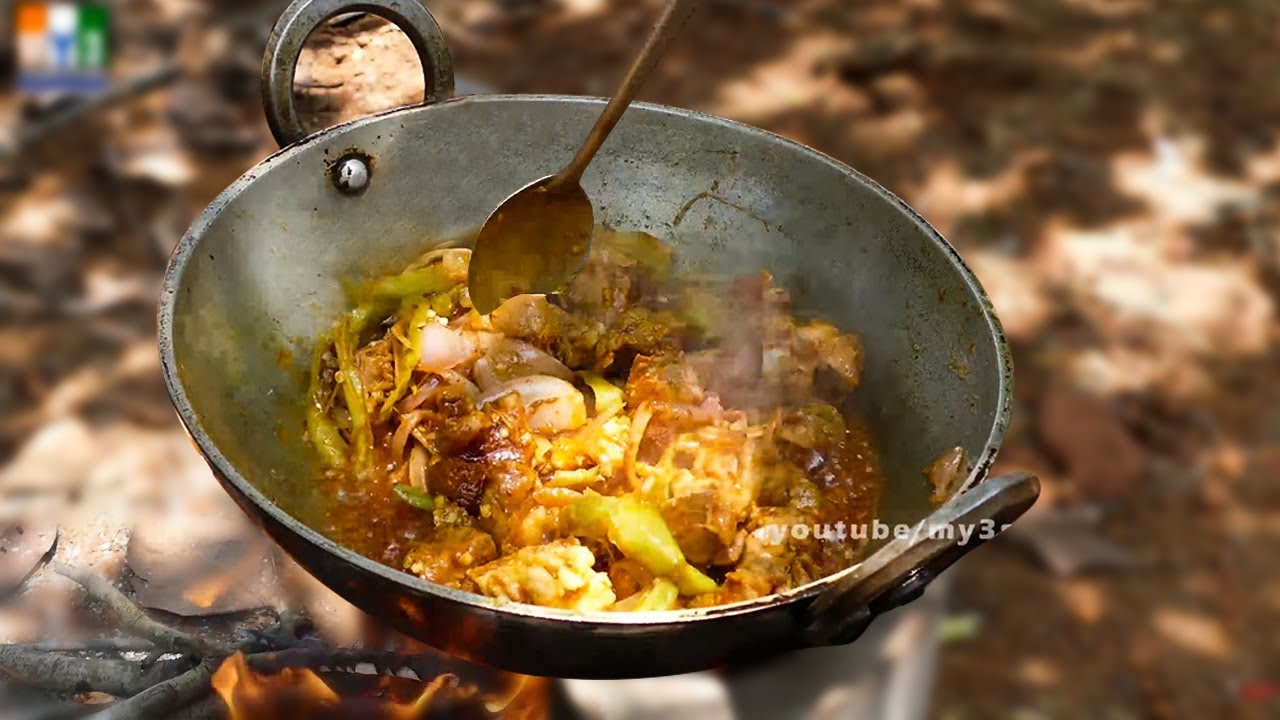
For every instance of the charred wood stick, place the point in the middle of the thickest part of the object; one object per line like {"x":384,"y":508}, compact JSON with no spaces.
{"x":132,"y":619}
{"x":167,"y":697}
{"x":68,"y":674}
{"x":339,"y":660}
{"x":426,"y":667}
{"x":114,"y":645}
{"x":284,"y":634}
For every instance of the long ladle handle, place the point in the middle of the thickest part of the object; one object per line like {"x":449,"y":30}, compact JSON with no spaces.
{"x":669,"y":25}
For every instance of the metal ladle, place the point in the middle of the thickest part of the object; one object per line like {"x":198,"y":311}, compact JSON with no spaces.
{"x":538,"y":239}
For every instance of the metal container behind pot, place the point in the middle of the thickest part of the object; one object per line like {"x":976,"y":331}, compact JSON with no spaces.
{"x":258,"y":277}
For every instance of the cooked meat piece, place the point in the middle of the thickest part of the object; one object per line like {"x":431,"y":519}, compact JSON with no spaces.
{"x":714,"y":494}
{"x":628,"y":576}
{"x":557,"y":574}
{"x":667,"y":380}
{"x":534,"y":524}
{"x":459,"y":480}
{"x":447,"y":512}
{"x":773,"y":557}
{"x":450,"y":555}
{"x":509,"y":487}
{"x":600,"y":445}
{"x":702,"y":524}
{"x":841,"y":353}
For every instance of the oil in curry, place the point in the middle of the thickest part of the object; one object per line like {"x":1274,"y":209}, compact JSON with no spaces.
{"x":619,"y":447}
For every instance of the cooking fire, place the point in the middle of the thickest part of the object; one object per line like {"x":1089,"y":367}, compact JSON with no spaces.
{"x":280,"y":670}
{"x":320,"y":695}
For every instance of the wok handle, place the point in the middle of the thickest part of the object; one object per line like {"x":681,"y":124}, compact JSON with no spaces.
{"x":280,"y":62}
{"x":899,"y":572}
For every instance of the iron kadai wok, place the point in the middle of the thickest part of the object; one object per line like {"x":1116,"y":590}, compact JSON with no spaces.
{"x":259,"y":276}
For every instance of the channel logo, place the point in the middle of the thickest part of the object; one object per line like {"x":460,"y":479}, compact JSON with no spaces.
{"x":62,"y":47}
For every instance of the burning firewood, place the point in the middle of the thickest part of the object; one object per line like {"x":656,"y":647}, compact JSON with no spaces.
{"x":273,"y":673}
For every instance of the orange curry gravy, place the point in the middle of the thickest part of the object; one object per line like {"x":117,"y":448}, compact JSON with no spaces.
{"x":638,"y":443}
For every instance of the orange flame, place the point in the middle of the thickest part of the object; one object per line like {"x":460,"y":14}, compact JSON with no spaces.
{"x":249,"y":696}
{"x":301,"y":693}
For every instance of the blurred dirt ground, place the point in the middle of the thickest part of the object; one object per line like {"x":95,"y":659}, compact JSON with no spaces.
{"x":1110,"y":169}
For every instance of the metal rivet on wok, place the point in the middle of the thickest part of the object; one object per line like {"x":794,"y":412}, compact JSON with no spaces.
{"x":351,"y":175}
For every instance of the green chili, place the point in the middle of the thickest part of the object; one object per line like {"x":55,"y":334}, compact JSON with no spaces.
{"x":346,"y":337}
{"x":639,"y":532}
{"x":413,"y":496}
{"x":415,"y":281}
{"x":321,"y":429}
{"x":408,"y":356}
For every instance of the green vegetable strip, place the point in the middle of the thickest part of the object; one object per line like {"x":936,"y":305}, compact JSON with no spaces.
{"x":609,"y":398}
{"x":691,"y":581}
{"x":639,"y":532}
{"x":321,"y":429}
{"x":375,"y":299}
{"x":413,"y":496}
{"x":417,"y":281}
{"x":408,"y":358}
{"x":344,"y":344}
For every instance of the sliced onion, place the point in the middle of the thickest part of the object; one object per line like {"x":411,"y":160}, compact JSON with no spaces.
{"x":400,"y":440}
{"x":435,"y":384}
{"x":443,"y":349}
{"x":483,"y":340}
{"x":523,"y":316}
{"x":485,"y":375}
{"x":456,"y":379}
{"x":553,"y":404}
{"x":453,"y":260}
{"x":418,"y":467}
{"x":639,"y":424}
{"x":424,"y":393}
{"x":508,"y":359}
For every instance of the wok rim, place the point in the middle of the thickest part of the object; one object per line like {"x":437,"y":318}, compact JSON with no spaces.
{"x":228,"y":473}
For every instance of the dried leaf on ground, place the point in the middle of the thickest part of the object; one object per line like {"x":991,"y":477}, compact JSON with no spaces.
{"x":108,"y":286}
{"x":1262,"y":479}
{"x":1084,"y":434}
{"x":58,"y":457}
{"x":154,"y":155}
{"x":1070,"y":542}
{"x":41,"y":238}
{"x":24,"y":544}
